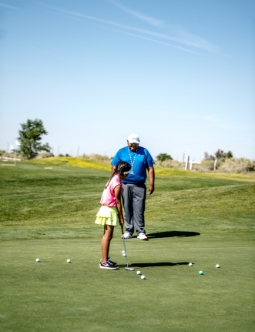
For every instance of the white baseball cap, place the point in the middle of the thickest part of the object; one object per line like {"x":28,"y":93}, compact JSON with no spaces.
{"x":134,"y":138}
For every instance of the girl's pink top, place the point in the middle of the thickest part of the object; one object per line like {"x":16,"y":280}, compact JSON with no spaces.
{"x":108,"y":197}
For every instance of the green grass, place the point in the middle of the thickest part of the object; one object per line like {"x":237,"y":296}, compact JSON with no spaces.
{"x":191,"y":217}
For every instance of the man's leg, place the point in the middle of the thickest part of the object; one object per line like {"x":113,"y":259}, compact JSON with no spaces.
{"x":127,"y":195}
{"x":139,"y":196}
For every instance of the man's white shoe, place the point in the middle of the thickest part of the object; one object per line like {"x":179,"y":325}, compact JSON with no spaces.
{"x":127,"y":235}
{"x":142,"y":236}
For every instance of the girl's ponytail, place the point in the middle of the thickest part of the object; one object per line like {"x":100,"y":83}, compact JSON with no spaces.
{"x":121,"y":168}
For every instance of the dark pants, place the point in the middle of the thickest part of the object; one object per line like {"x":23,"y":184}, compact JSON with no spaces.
{"x":134,"y":205}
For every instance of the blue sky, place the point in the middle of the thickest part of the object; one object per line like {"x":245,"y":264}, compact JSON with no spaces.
{"x":180,"y":74}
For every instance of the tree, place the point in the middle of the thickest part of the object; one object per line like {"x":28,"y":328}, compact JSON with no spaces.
{"x":221,"y":154}
{"x":164,"y":156}
{"x":2,"y":153}
{"x":30,"y":138}
{"x":229,"y":154}
{"x":208,"y":157}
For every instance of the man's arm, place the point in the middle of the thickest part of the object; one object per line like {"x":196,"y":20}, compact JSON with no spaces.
{"x":151,"y":175}
{"x":115,"y":161}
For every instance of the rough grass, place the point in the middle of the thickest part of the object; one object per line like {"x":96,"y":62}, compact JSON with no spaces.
{"x":165,"y":171}
{"x":74,"y":162}
{"x":229,"y":165}
{"x":191,"y":217}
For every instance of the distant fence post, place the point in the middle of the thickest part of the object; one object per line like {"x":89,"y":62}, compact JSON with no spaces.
{"x":215,"y":162}
{"x":184,"y":155}
{"x":187,"y":163}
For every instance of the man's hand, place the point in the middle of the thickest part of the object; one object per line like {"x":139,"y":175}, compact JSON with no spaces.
{"x":151,"y":189}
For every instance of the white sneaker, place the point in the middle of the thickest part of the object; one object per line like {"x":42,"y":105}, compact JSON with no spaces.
{"x":127,"y":235}
{"x":142,"y":236}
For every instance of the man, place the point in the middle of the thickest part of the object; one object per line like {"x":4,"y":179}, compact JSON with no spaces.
{"x":134,"y":189}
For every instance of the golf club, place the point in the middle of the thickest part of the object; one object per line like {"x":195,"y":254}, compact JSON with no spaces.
{"x":127,"y":268}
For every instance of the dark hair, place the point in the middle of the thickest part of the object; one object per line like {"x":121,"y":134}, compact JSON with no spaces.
{"x":121,"y":168}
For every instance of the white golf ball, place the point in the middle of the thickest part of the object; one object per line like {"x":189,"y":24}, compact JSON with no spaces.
{"x":37,"y":260}
{"x":142,"y":277}
{"x":190,"y":264}
{"x":123,"y":251}
{"x":217,"y":265}
{"x":68,"y":260}
{"x":124,"y":254}
{"x":138,"y":272}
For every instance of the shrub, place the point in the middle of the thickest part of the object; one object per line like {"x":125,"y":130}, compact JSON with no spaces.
{"x":237,"y":165}
{"x":206,"y":165}
{"x":44,"y":155}
{"x":169,"y":164}
{"x":96,"y":157}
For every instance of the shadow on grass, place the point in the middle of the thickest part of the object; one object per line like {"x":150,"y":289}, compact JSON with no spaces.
{"x":155,"y":264}
{"x":171,"y":234}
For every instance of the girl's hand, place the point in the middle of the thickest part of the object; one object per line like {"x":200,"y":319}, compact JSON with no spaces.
{"x":121,"y":222}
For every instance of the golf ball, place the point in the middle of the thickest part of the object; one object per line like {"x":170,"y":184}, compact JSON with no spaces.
{"x":37,"y":260}
{"x":123,"y":251}
{"x":142,"y":277}
{"x":201,"y":272}
{"x":190,"y":264}
{"x":68,"y":260}
{"x":124,"y":254}
{"x":217,"y":265}
{"x":138,"y":272}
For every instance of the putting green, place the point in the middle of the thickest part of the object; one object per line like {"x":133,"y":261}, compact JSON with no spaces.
{"x":56,"y":296}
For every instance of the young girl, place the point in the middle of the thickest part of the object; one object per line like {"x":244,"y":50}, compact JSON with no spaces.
{"x":110,"y":213}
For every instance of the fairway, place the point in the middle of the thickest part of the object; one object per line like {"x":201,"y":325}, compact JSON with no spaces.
{"x":206,"y":219}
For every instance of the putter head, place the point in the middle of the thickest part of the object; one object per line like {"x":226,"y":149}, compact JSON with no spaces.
{"x":129,"y":268}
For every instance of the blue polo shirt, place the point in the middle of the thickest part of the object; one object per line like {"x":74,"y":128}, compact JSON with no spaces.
{"x":141,"y":160}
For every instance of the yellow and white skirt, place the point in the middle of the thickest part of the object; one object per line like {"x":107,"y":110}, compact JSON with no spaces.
{"x":107,"y":215}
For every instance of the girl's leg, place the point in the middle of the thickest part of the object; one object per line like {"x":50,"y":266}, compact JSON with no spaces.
{"x":105,"y":245}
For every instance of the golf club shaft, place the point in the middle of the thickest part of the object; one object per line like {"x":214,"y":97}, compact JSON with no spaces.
{"x":127,"y":268}
{"x":124,"y":244}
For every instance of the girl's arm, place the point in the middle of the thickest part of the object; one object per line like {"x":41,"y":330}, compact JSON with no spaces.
{"x":117,"y":192}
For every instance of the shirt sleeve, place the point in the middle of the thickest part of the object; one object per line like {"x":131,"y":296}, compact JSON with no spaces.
{"x":150,"y":161}
{"x":115,"y":182}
